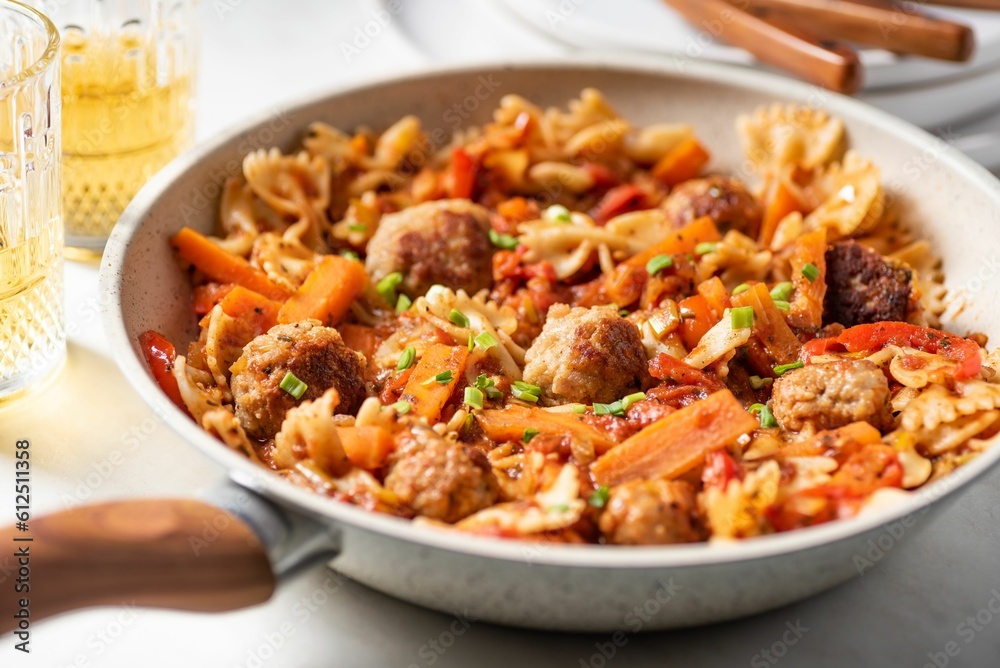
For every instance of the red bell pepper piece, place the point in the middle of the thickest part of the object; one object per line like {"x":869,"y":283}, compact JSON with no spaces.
{"x":160,"y":356}
{"x":463,"y":174}
{"x":720,"y":468}
{"x":617,"y":201}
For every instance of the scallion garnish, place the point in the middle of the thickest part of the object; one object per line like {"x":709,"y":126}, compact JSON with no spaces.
{"x":756,"y":382}
{"x":387,"y":287}
{"x":740,"y":289}
{"x":401,"y":407}
{"x":706,"y":247}
{"x":782,"y":291}
{"x":658,"y":263}
{"x":485,"y":340}
{"x":406,"y":359}
{"x":471,"y":343}
{"x":579,"y":408}
{"x":357,"y":227}
{"x":810,"y":271}
{"x":559,"y":214}
{"x":458,"y":318}
{"x":473,"y":397}
{"x":782,"y":305}
{"x":633,"y":398}
{"x":529,"y":434}
{"x":403,"y":304}
{"x":614,"y":408}
{"x":350,"y":255}
{"x":741,"y":317}
{"x":524,"y":396}
{"x":767,"y":420}
{"x":599,"y":498}
{"x":442,"y":378}
{"x":504,"y":241}
{"x":781,"y":369}
{"x":291,"y":384}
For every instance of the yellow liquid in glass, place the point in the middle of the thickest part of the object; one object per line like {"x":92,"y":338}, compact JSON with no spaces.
{"x":125,"y":115}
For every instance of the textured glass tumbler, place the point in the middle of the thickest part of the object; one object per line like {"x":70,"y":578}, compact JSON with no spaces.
{"x":32,"y":336}
{"x":127,"y":92}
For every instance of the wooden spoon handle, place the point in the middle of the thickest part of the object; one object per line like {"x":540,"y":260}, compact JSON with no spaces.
{"x":179,"y":554}
{"x":970,"y":4}
{"x":873,"y":23}
{"x":777,"y":43}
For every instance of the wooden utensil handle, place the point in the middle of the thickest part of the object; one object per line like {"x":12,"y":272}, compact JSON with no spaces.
{"x":875,"y":23}
{"x":971,"y":4}
{"x":180,"y":554}
{"x":792,"y":49}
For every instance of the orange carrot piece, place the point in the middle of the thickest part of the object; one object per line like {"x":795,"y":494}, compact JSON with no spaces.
{"x":677,"y":443}
{"x":693,"y":328}
{"x":769,"y":326}
{"x":254,"y":313}
{"x":509,"y":425}
{"x":427,"y":396}
{"x":781,"y":202}
{"x":836,"y":442}
{"x":327,"y":292}
{"x":807,"y":306}
{"x":714,"y":291}
{"x":683,"y":240}
{"x":682,"y":163}
{"x":205,"y":297}
{"x":222,"y":266}
{"x":359,"y":338}
{"x":367,"y":447}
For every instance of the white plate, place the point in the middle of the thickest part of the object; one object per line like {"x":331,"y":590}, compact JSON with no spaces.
{"x":649,"y":25}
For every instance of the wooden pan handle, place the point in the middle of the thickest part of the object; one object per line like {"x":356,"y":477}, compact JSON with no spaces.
{"x":777,"y":43}
{"x":971,"y":4}
{"x":873,"y":23}
{"x":180,"y":554}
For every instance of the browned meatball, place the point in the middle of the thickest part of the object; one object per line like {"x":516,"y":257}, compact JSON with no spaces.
{"x":725,"y":200}
{"x":585,"y":355}
{"x":651,"y":512}
{"x":827,"y":396}
{"x":315,"y":354}
{"x":445,"y":242}
{"x":440,"y":479}
{"x":863,"y":287}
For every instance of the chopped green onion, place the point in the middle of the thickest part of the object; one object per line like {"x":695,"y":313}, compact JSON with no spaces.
{"x":527,"y":387}
{"x":658,"y":263}
{"x":783,"y":305}
{"x":558,"y":508}
{"x":485,"y":340}
{"x":401,"y":407}
{"x":529,"y":434}
{"x":357,"y":227}
{"x":524,"y":395}
{"x":624,"y":312}
{"x":387,"y":287}
{"x":458,"y":318}
{"x":784,"y":368}
{"x":614,"y":408}
{"x":599,"y":498}
{"x":579,"y":408}
{"x":469,"y":421}
{"x":473,"y":397}
{"x":740,"y":289}
{"x":483,"y":381}
{"x":472,"y":343}
{"x":706,"y":247}
{"x":756,"y":382}
{"x":756,"y":408}
{"x":767,"y":420}
{"x":810,"y":271}
{"x":403,"y":304}
{"x":782,"y":291}
{"x":442,"y":378}
{"x":504,"y":241}
{"x":407,"y":358}
{"x":633,"y":398}
{"x":291,"y":384}
{"x":559,"y":214}
{"x":741,"y":317}
{"x":350,"y":255}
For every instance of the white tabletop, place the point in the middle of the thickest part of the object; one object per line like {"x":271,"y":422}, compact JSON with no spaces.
{"x":93,"y":440}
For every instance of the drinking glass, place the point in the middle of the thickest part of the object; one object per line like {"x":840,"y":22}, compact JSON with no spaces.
{"x":127,"y":91}
{"x":32,"y":336}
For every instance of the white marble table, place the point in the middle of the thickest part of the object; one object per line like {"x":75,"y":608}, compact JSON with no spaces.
{"x":93,"y":440}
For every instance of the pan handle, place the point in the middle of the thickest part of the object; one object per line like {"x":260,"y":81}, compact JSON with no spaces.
{"x":224,"y":553}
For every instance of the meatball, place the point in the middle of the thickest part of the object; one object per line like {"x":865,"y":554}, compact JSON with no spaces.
{"x":827,"y":396}
{"x":651,"y":512}
{"x":862,"y":287}
{"x":315,"y":354}
{"x":440,"y":479}
{"x":445,"y":242}
{"x":585,"y":355}
{"x":725,"y":200}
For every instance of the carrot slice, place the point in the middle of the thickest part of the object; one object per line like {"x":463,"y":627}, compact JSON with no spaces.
{"x":714,"y":291}
{"x":781,"y":202}
{"x":222,"y":266}
{"x":807,"y":306}
{"x":678,"y":443}
{"x":367,"y":447}
{"x":693,"y":328}
{"x":251,"y":307}
{"x":509,"y":425}
{"x":426,"y":395}
{"x":682,"y":163}
{"x":206,"y":296}
{"x":359,"y":338}
{"x":683,"y":240}
{"x":771,"y":332}
{"x":327,"y":292}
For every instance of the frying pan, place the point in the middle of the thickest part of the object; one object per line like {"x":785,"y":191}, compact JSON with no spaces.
{"x":224,"y":554}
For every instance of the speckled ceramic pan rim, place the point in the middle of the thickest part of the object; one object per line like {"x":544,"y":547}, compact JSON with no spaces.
{"x":246,"y":473}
